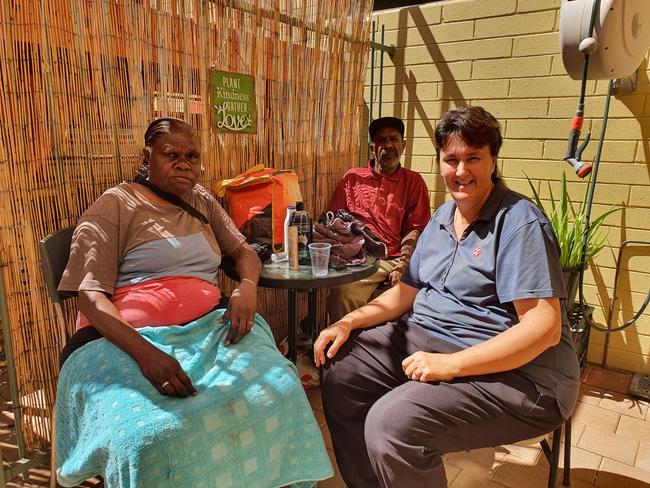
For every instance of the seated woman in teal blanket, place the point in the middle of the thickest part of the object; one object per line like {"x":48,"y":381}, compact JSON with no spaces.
{"x":165,"y":383}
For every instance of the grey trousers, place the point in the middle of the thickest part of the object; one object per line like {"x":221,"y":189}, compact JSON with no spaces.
{"x":390,"y":431}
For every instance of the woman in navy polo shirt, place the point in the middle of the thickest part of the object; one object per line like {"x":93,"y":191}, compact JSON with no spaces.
{"x":472,"y":348}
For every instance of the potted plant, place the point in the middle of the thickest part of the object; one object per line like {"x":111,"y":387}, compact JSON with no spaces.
{"x":570,"y":231}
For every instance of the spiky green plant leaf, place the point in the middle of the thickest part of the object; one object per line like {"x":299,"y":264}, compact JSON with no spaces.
{"x":568,"y":225}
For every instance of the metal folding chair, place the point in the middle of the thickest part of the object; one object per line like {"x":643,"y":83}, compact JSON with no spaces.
{"x":552,"y":452}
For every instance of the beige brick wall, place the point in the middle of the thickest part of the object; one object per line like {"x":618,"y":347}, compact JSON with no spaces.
{"x":504,"y":55}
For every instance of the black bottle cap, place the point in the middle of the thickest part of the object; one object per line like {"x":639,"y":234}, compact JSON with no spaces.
{"x":300,"y":206}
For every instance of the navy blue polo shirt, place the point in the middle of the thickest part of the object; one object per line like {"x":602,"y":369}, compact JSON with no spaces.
{"x":467,"y":286}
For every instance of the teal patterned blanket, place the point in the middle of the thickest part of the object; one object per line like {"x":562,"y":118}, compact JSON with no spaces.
{"x":250,"y":424}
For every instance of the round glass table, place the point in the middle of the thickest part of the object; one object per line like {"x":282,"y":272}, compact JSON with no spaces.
{"x":278,"y":275}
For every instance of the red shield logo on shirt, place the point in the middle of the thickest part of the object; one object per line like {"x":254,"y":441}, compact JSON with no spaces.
{"x":477,"y":252}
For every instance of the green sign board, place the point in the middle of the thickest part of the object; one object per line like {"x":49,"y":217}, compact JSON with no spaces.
{"x":233,"y":102}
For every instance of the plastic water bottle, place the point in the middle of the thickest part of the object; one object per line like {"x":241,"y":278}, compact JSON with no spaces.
{"x":302,"y":220}
{"x":287,"y":221}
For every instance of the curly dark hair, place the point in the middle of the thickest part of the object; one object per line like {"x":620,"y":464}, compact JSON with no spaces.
{"x":163,"y":125}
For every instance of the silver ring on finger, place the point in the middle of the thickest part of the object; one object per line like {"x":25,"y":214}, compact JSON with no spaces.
{"x":164,"y":385}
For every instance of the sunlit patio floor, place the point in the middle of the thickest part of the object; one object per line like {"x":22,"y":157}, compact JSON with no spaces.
{"x":610,"y":445}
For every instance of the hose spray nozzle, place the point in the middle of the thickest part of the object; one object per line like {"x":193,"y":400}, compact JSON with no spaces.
{"x":574,"y":152}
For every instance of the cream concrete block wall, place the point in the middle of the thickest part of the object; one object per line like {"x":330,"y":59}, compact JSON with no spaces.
{"x":504,"y":55}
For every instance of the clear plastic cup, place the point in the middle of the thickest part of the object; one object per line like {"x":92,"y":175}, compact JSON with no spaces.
{"x":319,"y":252}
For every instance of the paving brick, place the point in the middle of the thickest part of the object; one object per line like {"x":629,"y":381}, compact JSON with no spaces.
{"x":609,"y":445}
{"x":592,"y":415}
{"x":478,"y":461}
{"x":467,"y":479}
{"x":591,"y":394}
{"x":584,"y":464}
{"x":614,"y":474}
{"x":451,"y":472}
{"x":643,"y":456}
{"x":634,"y":428}
{"x":529,"y":452}
{"x":516,"y":472}
{"x":577,"y":483}
{"x":624,"y":405}
{"x":576,"y":433}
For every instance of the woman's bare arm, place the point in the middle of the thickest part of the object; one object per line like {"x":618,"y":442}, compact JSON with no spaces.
{"x":390,"y":305}
{"x":539,"y":328}
{"x":242,"y":305}
{"x":158,"y":367}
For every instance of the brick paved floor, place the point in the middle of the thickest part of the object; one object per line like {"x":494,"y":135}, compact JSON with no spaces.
{"x":610,"y":445}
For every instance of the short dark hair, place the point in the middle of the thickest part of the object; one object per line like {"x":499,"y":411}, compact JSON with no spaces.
{"x":381,"y":122}
{"x":475,"y":126}
{"x":163,"y":125}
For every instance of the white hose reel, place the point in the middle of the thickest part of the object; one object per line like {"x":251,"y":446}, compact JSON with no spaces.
{"x":620,"y":40}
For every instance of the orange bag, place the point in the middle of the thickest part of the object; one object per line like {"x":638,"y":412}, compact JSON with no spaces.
{"x":258,"y":200}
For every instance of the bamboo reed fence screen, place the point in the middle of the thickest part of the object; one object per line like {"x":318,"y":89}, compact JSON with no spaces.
{"x":81,"y":79}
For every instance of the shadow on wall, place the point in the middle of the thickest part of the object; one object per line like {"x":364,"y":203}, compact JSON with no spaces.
{"x":626,"y":305}
{"x":406,"y":81}
{"x":636,"y":109}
